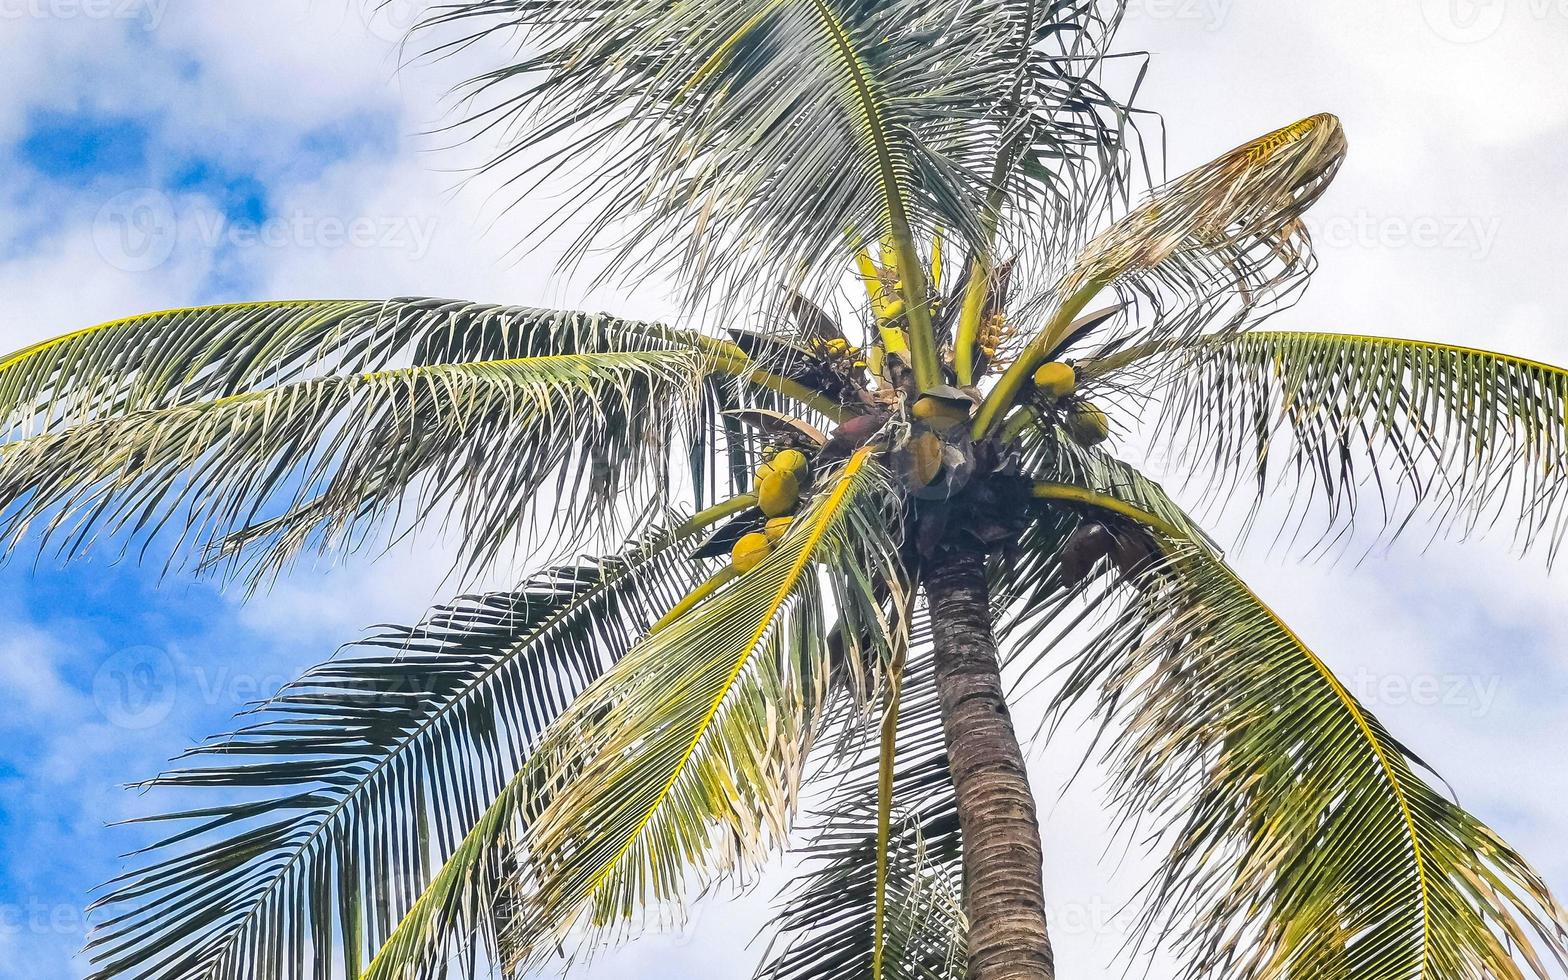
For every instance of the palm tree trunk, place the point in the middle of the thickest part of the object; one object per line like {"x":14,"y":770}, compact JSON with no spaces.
{"x":1004,"y":894}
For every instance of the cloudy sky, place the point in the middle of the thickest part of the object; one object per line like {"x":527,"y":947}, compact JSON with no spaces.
{"x":163,"y":153}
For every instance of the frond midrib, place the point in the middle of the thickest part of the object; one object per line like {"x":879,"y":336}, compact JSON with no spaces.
{"x":406,"y":745}
{"x":1201,"y":552}
{"x":802,"y":561}
{"x":1385,"y":766}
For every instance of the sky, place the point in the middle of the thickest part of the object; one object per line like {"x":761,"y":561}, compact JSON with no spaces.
{"x":163,"y":153}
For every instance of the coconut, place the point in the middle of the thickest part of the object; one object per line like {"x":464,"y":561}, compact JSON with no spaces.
{"x":776,"y":528}
{"x":932,"y":409}
{"x":943,"y":407}
{"x":925,"y":452}
{"x":790,"y":461}
{"x":1087,"y":425}
{"x":778,"y":493}
{"x":1055,"y":380}
{"x":749,"y":551}
{"x":1085,"y":548}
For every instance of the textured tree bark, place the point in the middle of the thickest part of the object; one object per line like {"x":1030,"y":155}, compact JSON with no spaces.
{"x":1003,"y":888}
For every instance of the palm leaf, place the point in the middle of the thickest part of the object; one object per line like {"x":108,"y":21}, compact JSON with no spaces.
{"x":339,"y":455}
{"x":759,"y":132}
{"x":183,"y":356}
{"x":1305,"y":842}
{"x":157,"y":360}
{"x":827,"y":926}
{"x":1461,"y":436}
{"x":1201,"y":254}
{"x":1055,"y":172}
{"x":707,"y":723}
{"x":703,"y":726}
{"x":348,"y":783}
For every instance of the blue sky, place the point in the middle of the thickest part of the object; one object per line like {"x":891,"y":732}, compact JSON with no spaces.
{"x":184,"y":152}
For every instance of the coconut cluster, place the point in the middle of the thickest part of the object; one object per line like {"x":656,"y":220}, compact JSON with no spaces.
{"x":780,"y":481}
{"x":1057,"y":384}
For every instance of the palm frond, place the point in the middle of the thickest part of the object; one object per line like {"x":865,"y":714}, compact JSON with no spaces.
{"x":1305,"y":842}
{"x":1202,"y":254}
{"x":1046,"y":453}
{"x":686,"y":758}
{"x":1054,"y":174}
{"x":157,"y":360}
{"x":763,"y":131}
{"x":1462,"y":437}
{"x":827,"y":926}
{"x":1244,"y":206}
{"x":160,"y":360}
{"x":345,"y":787}
{"x":339,"y":456}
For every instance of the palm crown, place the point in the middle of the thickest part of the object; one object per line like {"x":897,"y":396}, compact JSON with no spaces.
{"x":881,"y":491}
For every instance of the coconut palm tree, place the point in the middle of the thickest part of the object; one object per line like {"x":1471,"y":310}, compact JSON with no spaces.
{"x":831,"y":521}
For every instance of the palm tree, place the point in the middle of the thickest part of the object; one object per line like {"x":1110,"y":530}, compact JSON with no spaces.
{"x":830,"y":525}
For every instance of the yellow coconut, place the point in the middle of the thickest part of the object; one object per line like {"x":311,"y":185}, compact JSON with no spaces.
{"x":790,"y":461}
{"x":1055,"y":380}
{"x":749,"y":551}
{"x":925,"y":452}
{"x":943,"y":407}
{"x":778,"y":493}
{"x":787,"y":461}
{"x":931,"y":409}
{"x":777,"y":528}
{"x":939,"y":420}
{"x":1087,"y":425}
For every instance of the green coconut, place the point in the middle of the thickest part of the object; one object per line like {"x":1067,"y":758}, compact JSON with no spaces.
{"x":1087,"y":425}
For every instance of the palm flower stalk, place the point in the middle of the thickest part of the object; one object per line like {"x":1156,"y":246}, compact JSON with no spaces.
{"x":889,"y":500}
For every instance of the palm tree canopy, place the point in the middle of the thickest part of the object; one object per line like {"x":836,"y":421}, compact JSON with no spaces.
{"x":532,"y":773}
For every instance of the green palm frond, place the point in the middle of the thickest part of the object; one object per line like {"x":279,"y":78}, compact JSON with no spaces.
{"x":160,"y":360}
{"x":1047,"y":454}
{"x":157,"y":360}
{"x":1461,"y":436}
{"x":762,"y":132}
{"x":1304,"y":841}
{"x":344,"y":787}
{"x":1202,"y":254}
{"x":704,"y":726}
{"x":340,"y":455}
{"x":827,"y":925}
{"x":1054,"y":175}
